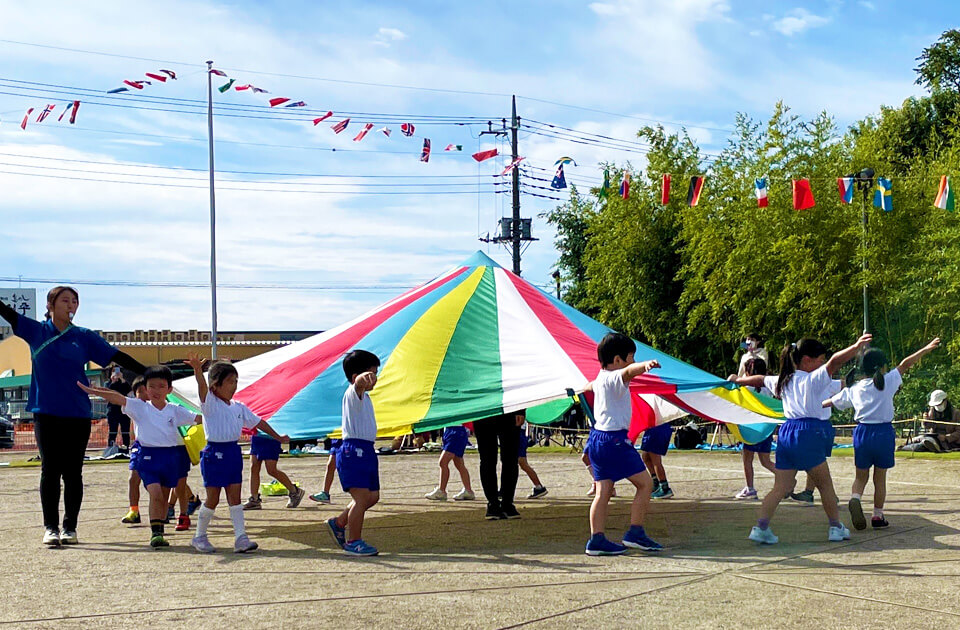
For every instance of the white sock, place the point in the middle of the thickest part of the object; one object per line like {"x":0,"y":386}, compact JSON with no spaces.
{"x":877,"y":512}
{"x":204,"y":516}
{"x":856,"y":495}
{"x":236,"y":517}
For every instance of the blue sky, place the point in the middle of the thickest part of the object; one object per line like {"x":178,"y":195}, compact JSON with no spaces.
{"x":690,"y":62}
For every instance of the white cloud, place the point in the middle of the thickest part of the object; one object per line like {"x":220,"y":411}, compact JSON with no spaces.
{"x":799,"y":20}
{"x":391,"y":34}
{"x":866,"y":4}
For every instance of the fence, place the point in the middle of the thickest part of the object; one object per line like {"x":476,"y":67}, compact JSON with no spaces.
{"x":24,"y":440}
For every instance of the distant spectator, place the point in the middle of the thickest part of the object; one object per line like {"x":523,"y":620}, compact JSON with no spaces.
{"x":751,"y":345}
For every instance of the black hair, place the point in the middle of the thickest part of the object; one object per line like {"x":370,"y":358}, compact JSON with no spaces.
{"x":54,"y":293}
{"x":158,"y":371}
{"x":755,"y":337}
{"x":358,"y":362}
{"x":755,"y":366}
{"x":219,"y":372}
{"x":614,"y":345}
{"x":137,"y":384}
{"x":871,"y":365}
{"x":791,"y":356}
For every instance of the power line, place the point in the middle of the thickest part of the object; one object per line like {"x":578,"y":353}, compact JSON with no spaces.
{"x":379,"y":286}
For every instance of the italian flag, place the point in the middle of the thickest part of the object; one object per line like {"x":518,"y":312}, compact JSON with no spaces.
{"x":945,"y":195}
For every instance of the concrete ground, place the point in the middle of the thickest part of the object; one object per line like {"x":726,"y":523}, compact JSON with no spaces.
{"x":442,"y":565}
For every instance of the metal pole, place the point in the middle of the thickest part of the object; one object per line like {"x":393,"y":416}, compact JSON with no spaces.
{"x":213,"y":219}
{"x":514,"y":126}
{"x":866,"y":305}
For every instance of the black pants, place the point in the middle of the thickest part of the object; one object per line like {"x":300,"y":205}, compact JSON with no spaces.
{"x":121,"y":423}
{"x":62,"y":443}
{"x":489,"y":432}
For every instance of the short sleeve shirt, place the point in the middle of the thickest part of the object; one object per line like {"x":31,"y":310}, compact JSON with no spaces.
{"x":612,"y":407}
{"x":805,"y":392}
{"x":224,"y":421}
{"x":870,"y":405}
{"x":158,"y":427}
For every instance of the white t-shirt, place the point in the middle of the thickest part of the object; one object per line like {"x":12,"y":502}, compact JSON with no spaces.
{"x":224,"y":421}
{"x":158,"y":427}
{"x":611,"y":402}
{"x":359,"y":422}
{"x":870,"y":405}
{"x":759,"y":353}
{"x":804,"y":395}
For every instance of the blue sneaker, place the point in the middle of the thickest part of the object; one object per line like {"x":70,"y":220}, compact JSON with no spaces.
{"x":193,"y":504}
{"x":339,"y":533}
{"x":763,"y":536}
{"x":600,"y":546}
{"x":641,"y":541}
{"x":359,"y":548}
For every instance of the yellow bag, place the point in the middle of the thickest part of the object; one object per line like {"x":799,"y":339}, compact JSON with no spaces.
{"x":194,"y":438}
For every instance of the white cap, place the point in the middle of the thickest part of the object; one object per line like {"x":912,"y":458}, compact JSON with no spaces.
{"x":937,"y":397}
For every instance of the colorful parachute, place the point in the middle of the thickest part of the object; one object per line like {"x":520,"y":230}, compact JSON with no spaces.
{"x":474,"y":342}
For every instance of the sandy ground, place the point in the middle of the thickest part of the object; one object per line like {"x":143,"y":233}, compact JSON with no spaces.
{"x":441,"y":564}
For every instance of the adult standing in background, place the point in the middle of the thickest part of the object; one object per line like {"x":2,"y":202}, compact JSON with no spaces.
{"x":117,"y":421}
{"x":751,"y":345}
{"x":59,"y":353}
{"x":505,"y":430}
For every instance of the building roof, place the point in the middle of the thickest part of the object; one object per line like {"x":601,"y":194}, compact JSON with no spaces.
{"x":255,"y":342}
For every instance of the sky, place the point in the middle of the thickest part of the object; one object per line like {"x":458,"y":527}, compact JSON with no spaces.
{"x":313,"y":228}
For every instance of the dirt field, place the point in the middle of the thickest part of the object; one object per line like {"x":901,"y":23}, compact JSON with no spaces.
{"x":442,"y":565}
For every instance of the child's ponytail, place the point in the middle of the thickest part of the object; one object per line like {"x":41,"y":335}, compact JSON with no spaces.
{"x":872,"y":364}
{"x":788,"y":365}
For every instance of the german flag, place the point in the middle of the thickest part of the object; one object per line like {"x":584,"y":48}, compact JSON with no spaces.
{"x":693,"y":193}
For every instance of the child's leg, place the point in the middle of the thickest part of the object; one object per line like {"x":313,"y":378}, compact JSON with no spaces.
{"x":657,"y":461}
{"x":647,"y":458}
{"x":598,"y":509}
{"x":444,"y":465}
{"x":828,"y":496}
{"x":331,"y":471}
{"x":747,"y":457}
{"x":531,"y":473}
{"x":205,"y":514}
{"x":234,"y":491}
{"x":464,"y":473}
{"x":133,"y":491}
{"x":766,"y":462}
{"x":879,"y":488}
{"x":783,"y":484}
{"x":641,"y":500}
{"x":254,"y":476}
{"x":860,"y":482}
{"x":183,"y":494}
{"x":593,"y":484}
{"x":158,"y":508}
{"x":279,"y":475}
{"x":352,"y":517}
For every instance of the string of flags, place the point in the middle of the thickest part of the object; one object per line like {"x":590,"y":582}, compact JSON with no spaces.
{"x":70,"y":109}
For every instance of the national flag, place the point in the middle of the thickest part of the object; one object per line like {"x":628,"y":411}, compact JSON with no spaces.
{"x":665,"y":189}
{"x":169,"y":73}
{"x":296,"y":104}
{"x":385,"y":131}
{"x":945,"y":195}
{"x":480,"y":156}
{"x":883,"y":196}
{"x":605,"y":187}
{"x":425,"y":153}
{"x":625,"y":185}
{"x":760,"y":188}
{"x":558,"y":180}
{"x":317,"y":121}
{"x":564,"y":160}
{"x":802,"y":195}
{"x":117,"y":90}
{"x":66,"y":110}
{"x":511,"y":166}
{"x":845,"y":188}
{"x":135,"y":84}
{"x":73,"y":112}
{"x":278,"y":101}
{"x":340,"y":126}
{"x":257,"y":90}
{"x":226,"y":86}
{"x":454,"y":147}
{"x":243,"y":88}
{"x":23,"y":125}
{"x":219,"y":73}
{"x":693,"y":192}
{"x":407,"y":129}
{"x":363,"y":132}
{"x":46,"y":112}
{"x":158,"y":77}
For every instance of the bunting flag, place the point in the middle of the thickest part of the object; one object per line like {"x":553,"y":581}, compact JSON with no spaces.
{"x":480,"y":156}
{"x":155,"y":76}
{"x":425,"y":153}
{"x":665,"y":189}
{"x":278,"y":101}
{"x":219,"y":73}
{"x":693,"y":193}
{"x":760,"y":188}
{"x":558,"y":180}
{"x":257,"y":90}
{"x":605,"y":187}
{"x":454,"y":147}
{"x":407,"y":129}
{"x":226,"y":86}
{"x":340,"y":126}
{"x":66,"y":109}
{"x":46,"y":112}
{"x":564,"y":160}
{"x":297,"y":104}
{"x":116,"y":90}
{"x":243,"y":88}
{"x":385,"y":131}
{"x":23,"y":124}
{"x":511,"y":166}
{"x":136,"y":84}
{"x":625,"y":185}
{"x":169,"y":73}
{"x":802,"y":195}
{"x":845,"y":188}
{"x":363,"y":132}
{"x":883,"y":196}
{"x":317,"y":121}
{"x":73,"y":112}
{"x":945,"y":198}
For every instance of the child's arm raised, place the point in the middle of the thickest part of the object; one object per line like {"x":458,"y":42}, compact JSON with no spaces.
{"x":839,"y":358}
{"x":266,"y":428}
{"x":909,"y":362}
{"x":194,"y":361}
{"x":636,"y":369}
{"x":364,"y":383}
{"x":112,"y":397}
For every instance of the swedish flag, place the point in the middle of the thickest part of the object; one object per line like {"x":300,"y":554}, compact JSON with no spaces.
{"x":883,"y":196}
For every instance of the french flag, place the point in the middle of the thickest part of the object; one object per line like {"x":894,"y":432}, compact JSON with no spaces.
{"x":845,"y":188}
{"x":761,"y":191}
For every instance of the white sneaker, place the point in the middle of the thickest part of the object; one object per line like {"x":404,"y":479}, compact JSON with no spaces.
{"x":746,"y":493}
{"x":296,"y":497}
{"x":51,"y":537}
{"x":243,"y":544}
{"x":68,"y":537}
{"x":464,"y":495}
{"x":436,"y":495}
{"x":838,"y":534}
{"x":202,"y":544}
{"x":763,"y":536}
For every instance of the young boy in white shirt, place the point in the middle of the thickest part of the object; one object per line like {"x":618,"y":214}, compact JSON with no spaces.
{"x":612,"y":455}
{"x":357,"y":458}
{"x":158,"y":462}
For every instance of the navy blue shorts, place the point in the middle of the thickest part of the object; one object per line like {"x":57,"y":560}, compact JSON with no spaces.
{"x":804,"y":443}
{"x":221,"y":464}
{"x":656,"y":439}
{"x":522,"y":446}
{"x":159,"y":464}
{"x":612,"y":456}
{"x":264,"y":447}
{"x":874,"y":445}
{"x":134,"y":454}
{"x":185,"y":462}
{"x":760,"y":447}
{"x":357,"y":465}
{"x":455,"y":440}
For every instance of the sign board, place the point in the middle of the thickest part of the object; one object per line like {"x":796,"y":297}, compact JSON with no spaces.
{"x":24,"y":301}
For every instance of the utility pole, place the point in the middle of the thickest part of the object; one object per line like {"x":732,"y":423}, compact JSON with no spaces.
{"x":213,"y":219}
{"x":514,"y":127}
